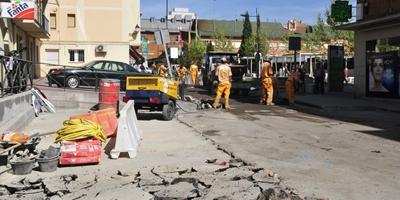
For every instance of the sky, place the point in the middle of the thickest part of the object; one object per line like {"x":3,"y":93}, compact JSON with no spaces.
{"x":269,"y":10}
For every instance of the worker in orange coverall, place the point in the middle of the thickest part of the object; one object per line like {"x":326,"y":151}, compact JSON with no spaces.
{"x":162,"y":71}
{"x":224,"y":74}
{"x":290,"y":86}
{"x":193,"y":71}
{"x":266,"y":81}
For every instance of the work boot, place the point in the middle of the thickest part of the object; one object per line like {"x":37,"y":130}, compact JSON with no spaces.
{"x":216,"y":103}
{"x":227,"y":106}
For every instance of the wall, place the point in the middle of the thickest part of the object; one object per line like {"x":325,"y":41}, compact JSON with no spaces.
{"x":361,"y":37}
{"x":98,"y":22}
{"x":16,"y":111}
{"x":380,"y":8}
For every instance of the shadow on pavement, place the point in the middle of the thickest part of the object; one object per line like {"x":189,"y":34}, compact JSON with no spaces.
{"x":387,"y":124}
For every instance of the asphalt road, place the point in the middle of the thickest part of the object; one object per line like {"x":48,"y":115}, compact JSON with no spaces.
{"x":336,"y":154}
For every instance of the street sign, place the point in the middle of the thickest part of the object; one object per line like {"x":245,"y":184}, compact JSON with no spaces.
{"x":341,"y":11}
{"x":162,"y":36}
{"x":174,"y":51}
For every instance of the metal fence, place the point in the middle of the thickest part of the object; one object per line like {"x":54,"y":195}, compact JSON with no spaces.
{"x":15,"y":75}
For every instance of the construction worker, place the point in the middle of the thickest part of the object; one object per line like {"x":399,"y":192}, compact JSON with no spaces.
{"x":266,"y":81}
{"x":290,"y":86}
{"x":224,"y":76}
{"x":193,"y":71}
{"x":162,"y":71}
{"x":181,"y":72}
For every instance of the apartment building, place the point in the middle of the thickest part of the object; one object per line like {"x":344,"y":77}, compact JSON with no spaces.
{"x":377,"y":48}
{"x":22,"y":25}
{"x":85,"y":30}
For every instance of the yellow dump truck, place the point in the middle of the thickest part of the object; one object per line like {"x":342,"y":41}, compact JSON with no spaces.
{"x":153,"y":93}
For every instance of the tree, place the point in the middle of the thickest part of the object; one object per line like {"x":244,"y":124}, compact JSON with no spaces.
{"x":248,"y":40}
{"x":184,"y":59}
{"x":346,"y":36}
{"x":193,"y":53}
{"x":261,"y":39}
{"x":221,"y":42}
{"x":210,"y":47}
{"x":197,"y":49}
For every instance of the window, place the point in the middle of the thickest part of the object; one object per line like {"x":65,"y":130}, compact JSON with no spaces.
{"x":76,"y":55}
{"x":52,"y":56}
{"x":98,"y":66}
{"x":53,"y":20}
{"x":114,"y":67}
{"x":71,"y":21}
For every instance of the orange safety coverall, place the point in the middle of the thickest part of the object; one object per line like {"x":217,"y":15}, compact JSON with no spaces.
{"x":266,"y":81}
{"x":224,"y":74}
{"x":193,"y":71}
{"x":289,"y":86}
{"x":181,"y":72}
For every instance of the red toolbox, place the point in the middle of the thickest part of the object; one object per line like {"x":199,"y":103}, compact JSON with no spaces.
{"x":80,"y":152}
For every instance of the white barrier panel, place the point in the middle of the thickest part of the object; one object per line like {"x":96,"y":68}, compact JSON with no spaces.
{"x":47,"y":104}
{"x":128,"y":134}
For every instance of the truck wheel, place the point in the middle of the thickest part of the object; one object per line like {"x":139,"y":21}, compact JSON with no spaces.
{"x":168,"y":111}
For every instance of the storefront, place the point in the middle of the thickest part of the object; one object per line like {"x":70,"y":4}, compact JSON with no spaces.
{"x":377,"y":55}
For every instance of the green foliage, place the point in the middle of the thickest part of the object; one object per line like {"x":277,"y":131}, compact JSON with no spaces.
{"x":264,"y":44}
{"x":197,"y":49}
{"x":221,"y":42}
{"x":347,"y":36}
{"x":184,"y":59}
{"x":247,"y":47}
{"x":193,"y":53}
{"x":210,"y":47}
{"x":261,"y":39}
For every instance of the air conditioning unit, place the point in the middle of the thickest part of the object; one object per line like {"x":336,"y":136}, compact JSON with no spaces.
{"x":101,"y":49}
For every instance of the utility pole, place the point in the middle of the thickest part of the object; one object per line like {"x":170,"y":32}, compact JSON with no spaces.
{"x":166,"y":14}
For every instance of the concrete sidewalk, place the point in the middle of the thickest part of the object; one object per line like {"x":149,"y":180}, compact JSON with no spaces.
{"x":346,"y":101}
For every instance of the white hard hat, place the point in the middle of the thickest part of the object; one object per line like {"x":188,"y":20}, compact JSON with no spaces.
{"x":223,"y":59}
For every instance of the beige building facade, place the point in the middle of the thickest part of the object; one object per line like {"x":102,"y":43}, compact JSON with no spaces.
{"x":85,"y":30}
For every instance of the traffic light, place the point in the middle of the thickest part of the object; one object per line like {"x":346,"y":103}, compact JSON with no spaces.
{"x":341,"y":11}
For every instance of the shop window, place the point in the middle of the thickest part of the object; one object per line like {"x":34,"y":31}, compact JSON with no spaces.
{"x":383,"y":67}
{"x":53,"y":20}
{"x":76,"y":55}
{"x":71,"y":21}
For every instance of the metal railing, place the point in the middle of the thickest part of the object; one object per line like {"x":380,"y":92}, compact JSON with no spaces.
{"x":15,"y":75}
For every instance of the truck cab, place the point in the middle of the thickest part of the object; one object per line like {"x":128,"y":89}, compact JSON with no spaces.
{"x":244,"y":74}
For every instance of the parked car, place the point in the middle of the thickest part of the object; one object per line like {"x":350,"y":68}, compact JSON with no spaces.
{"x":91,"y":73}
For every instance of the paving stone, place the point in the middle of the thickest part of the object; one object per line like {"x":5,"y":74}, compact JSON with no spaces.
{"x":181,"y":190}
{"x":266,"y":176}
{"x":126,"y":192}
{"x":235,"y":174}
{"x":222,"y":189}
{"x":53,"y":185}
{"x":4,"y":191}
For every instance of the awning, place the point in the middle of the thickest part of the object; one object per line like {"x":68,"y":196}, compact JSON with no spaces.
{"x":136,"y":55}
{"x":373,"y":23}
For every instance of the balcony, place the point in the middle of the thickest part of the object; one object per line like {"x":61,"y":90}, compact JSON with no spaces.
{"x":38,"y":27}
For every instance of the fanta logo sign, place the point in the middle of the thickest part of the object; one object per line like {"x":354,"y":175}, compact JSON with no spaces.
{"x":18,"y":10}
{"x":15,"y":9}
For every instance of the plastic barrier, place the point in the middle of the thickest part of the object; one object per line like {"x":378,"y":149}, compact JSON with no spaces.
{"x":80,"y":152}
{"x":129,"y":135}
{"x":46,"y":103}
{"x":106,"y":118}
